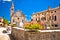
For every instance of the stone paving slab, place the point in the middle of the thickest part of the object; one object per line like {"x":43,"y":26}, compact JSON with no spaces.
{"x":4,"y":37}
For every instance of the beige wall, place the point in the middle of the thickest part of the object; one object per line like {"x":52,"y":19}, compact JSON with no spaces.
{"x":1,"y":21}
{"x":48,"y":14}
{"x":57,"y":13}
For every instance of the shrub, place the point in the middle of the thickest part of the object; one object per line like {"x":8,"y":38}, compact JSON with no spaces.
{"x":5,"y":21}
{"x":33,"y":26}
{"x":13,"y":25}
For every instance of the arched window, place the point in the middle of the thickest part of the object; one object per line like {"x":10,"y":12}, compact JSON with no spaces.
{"x":0,"y":21}
{"x":55,"y":18}
{"x":55,"y":11}
{"x":43,"y":18}
{"x":31,"y":19}
{"x":11,"y":9}
{"x":36,"y":19}
{"x":18,"y":18}
{"x":52,"y":12}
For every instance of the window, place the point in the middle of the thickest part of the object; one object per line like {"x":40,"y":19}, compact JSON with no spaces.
{"x":55,"y":18}
{"x":55,"y":11}
{"x":56,"y":25}
{"x":11,"y":9}
{"x":0,"y":24}
{"x":31,"y":19}
{"x":52,"y":12}
{"x":36,"y":19}
{"x":0,"y":21}
{"x":18,"y":18}
{"x":43,"y":18}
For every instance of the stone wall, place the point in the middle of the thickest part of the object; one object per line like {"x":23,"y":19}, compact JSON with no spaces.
{"x":24,"y":35}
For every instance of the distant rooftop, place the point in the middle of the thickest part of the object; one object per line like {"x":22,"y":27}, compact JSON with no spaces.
{"x":47,"y":10}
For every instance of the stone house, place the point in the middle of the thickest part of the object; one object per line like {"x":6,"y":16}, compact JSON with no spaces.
{"x":48,"y":17}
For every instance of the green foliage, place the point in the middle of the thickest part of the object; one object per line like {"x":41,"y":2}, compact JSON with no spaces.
{"x":33,"y":26}
{"x":13,"y":25}
{"x":5,"y":21}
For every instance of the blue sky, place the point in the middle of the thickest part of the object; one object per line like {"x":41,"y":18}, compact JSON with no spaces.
{"x":26,"y":6}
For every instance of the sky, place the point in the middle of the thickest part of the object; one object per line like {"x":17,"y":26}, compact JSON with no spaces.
{"x":28,"y":7}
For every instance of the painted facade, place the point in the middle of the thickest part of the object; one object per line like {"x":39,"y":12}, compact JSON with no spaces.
{"x":50,"y":17}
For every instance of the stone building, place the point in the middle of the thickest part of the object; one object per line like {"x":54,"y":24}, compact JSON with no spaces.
{"x":50,"y":17}
{"x":16,"y":17}
{"x":1,"y":21}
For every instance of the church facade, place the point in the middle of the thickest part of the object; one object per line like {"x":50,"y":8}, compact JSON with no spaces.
{"x":16,"y":17}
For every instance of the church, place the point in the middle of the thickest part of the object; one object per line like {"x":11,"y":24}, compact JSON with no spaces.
{"x":16,"y":17}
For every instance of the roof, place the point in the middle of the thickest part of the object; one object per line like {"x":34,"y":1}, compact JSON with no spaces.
{"x":19,"y":12}
{"x":46,"y":10}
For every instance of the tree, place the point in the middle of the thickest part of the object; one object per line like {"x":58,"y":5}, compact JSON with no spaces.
{"x":5,"y":21}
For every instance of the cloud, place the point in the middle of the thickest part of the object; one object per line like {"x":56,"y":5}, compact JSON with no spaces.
{"x":27,"y":15}
{"x":33,"y":13}
{"x":7,"y":0}
{"x":26,"y":19}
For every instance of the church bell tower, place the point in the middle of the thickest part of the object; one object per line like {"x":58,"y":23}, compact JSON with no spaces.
{"x":11,"y":11}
